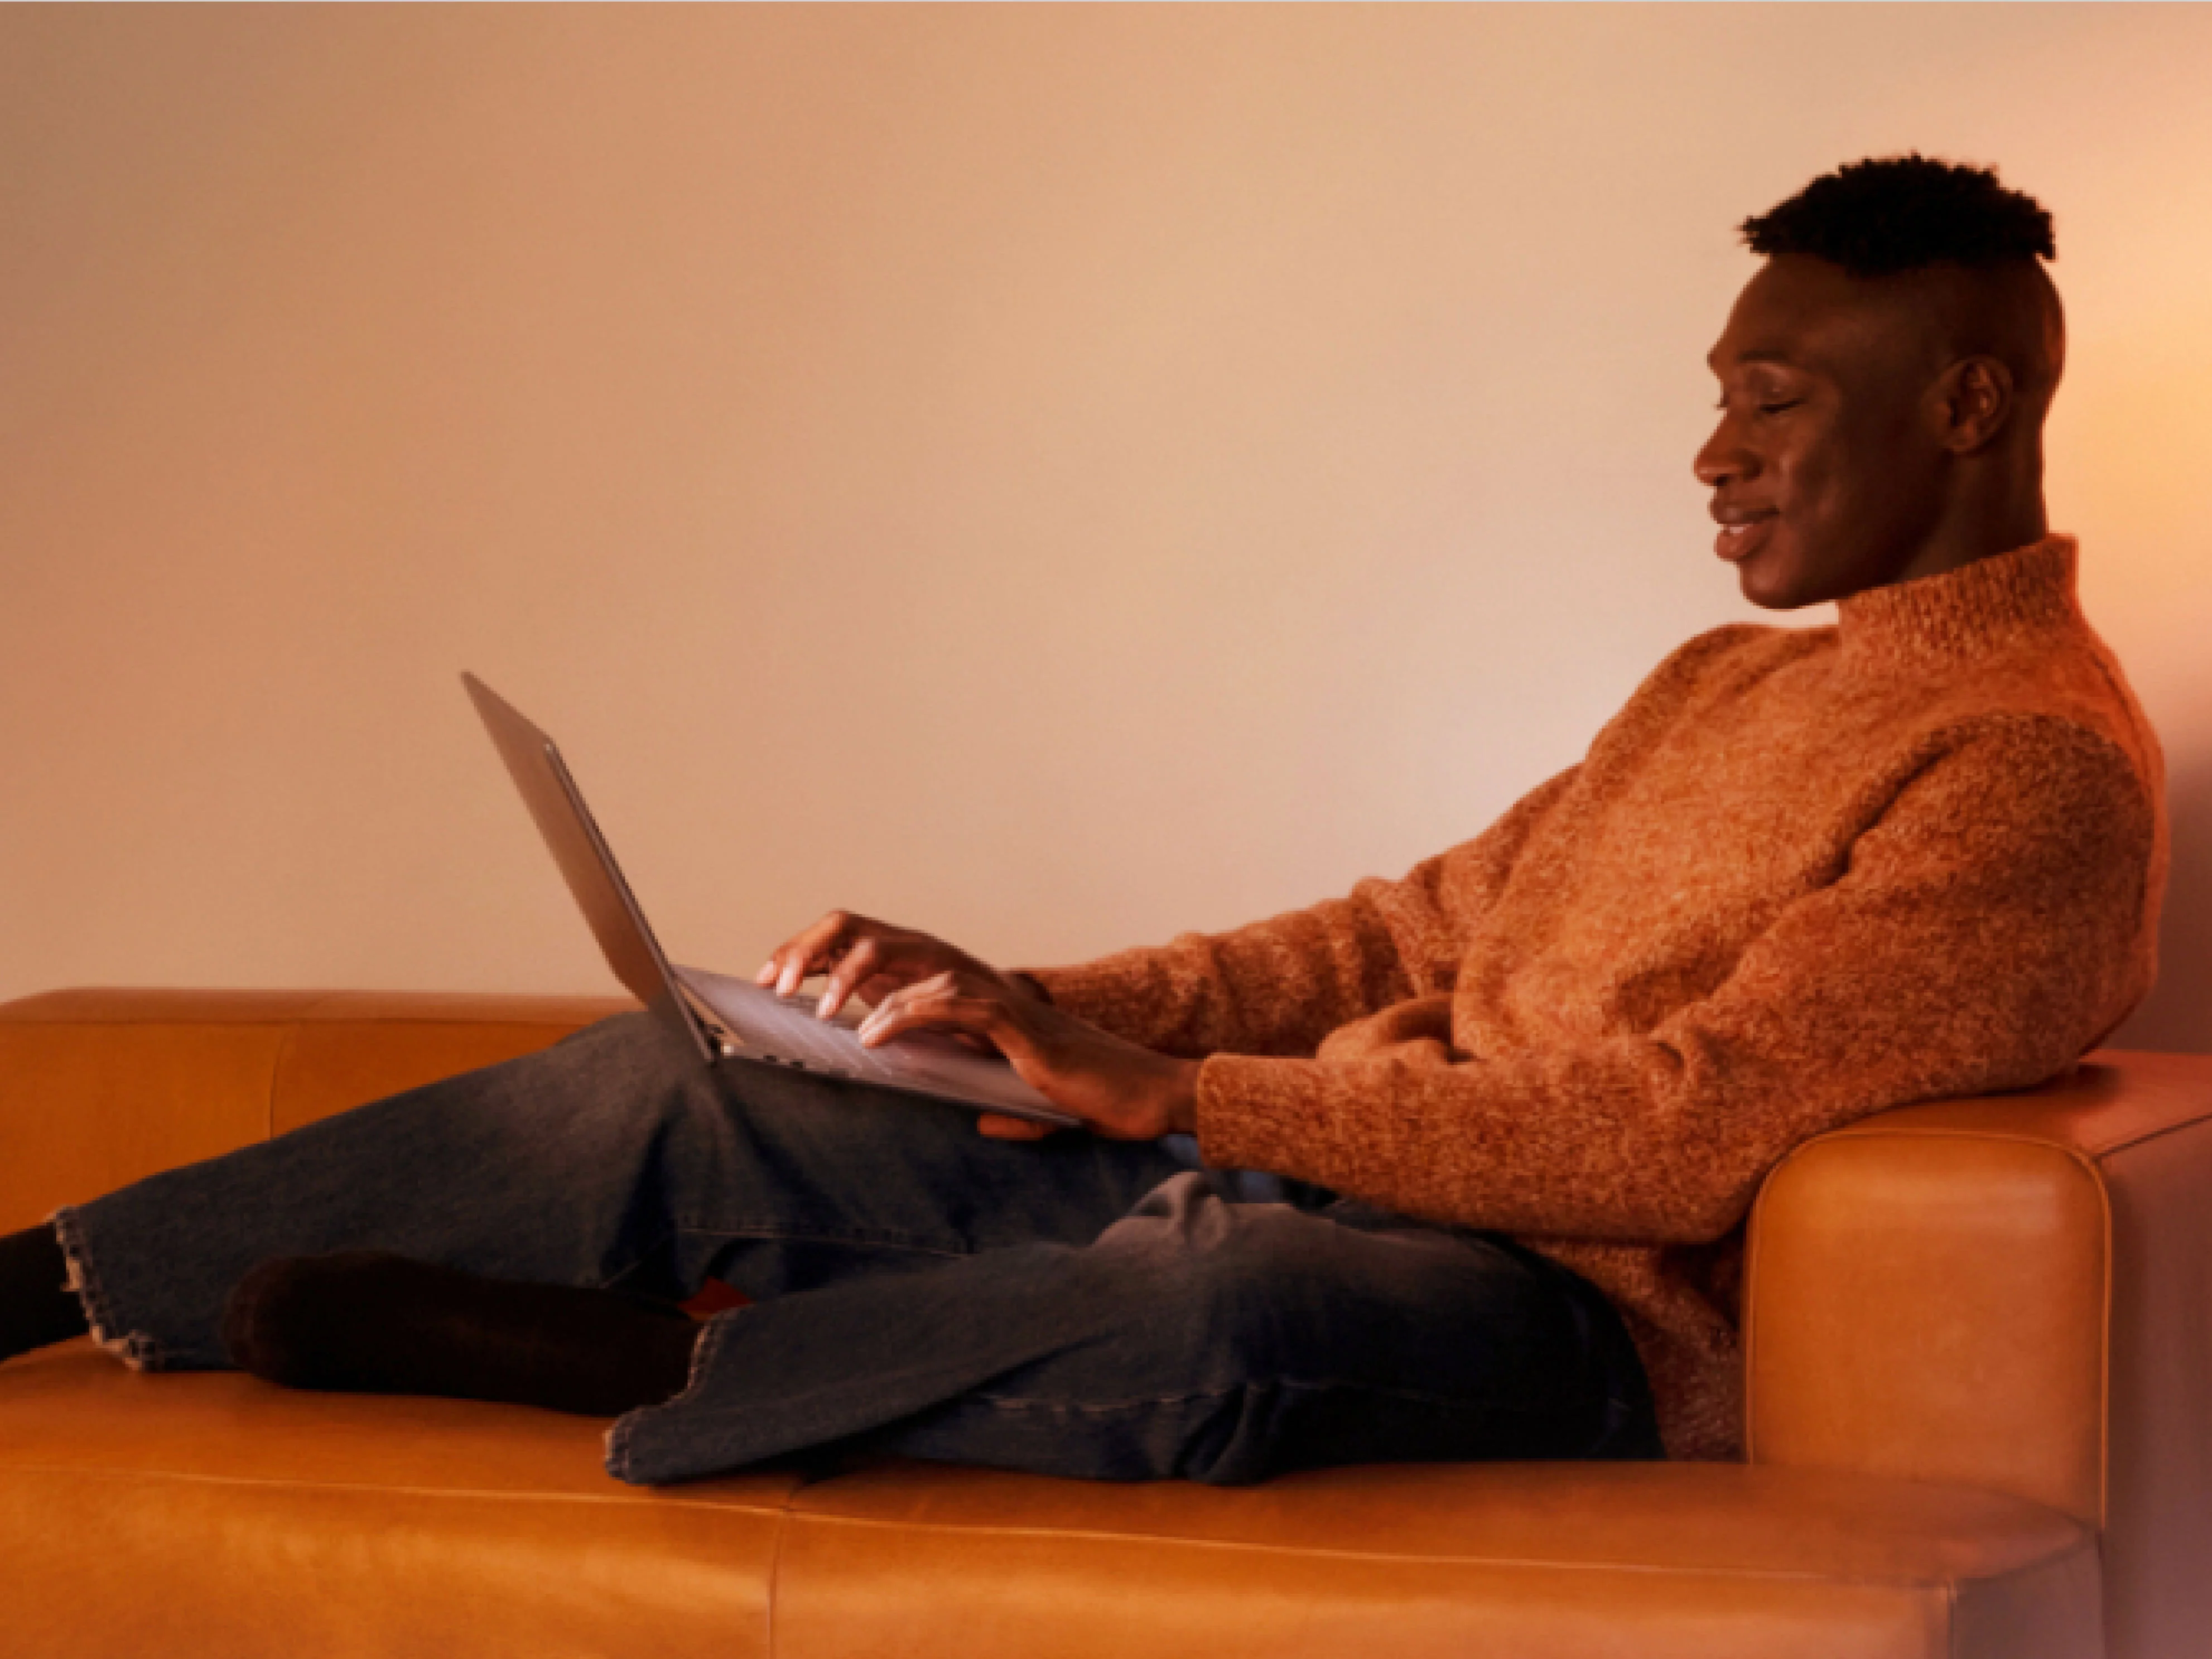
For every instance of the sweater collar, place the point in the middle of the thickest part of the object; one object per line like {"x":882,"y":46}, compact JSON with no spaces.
{"x":1966,"y":611}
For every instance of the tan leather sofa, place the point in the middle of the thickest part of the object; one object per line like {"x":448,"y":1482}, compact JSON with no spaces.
{"x":1979,"y":1338}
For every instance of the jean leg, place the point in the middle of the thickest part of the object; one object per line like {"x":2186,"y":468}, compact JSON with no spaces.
{"x":615,"y":1157}
{"x":1198,"y":1337}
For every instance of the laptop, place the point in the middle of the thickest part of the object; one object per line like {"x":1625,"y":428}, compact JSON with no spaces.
{"x":725,"y":1018}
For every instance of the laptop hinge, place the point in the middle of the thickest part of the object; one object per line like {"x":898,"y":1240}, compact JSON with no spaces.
{"x":720,"y":1037}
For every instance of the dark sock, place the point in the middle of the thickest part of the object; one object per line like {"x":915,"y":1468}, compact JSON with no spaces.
{"x":366,"y":1322}
{"x":36,"y":1305}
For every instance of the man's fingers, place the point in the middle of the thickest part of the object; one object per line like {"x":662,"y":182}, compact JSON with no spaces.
{"x":865,"y":957}
{"x":894,"y":1005}
{"x":905,"y":1011}
{"x":874,"y":989}
{"x":807,"y":952}
{"x":856,"y":964}
{"x":811,"y":951}
{"x":946,"y":1001}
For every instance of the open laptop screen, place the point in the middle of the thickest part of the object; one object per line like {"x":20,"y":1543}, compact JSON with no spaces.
{"x":587,"y":863}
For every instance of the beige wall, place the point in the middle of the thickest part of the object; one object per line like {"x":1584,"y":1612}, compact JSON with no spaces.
{"x":1057,"y":477}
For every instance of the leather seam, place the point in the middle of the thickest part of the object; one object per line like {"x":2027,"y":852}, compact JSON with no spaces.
{"x":307,"y":1016}
{"x":1749,"y":1306}
{"x":472,"y":1022}
{"x":658,"y":1500}
{"x":2096,"y":1175}
{"x":2098,"y":1150}
{"x":1792,"y":1574}
{"x":2146,"y":1136}
{"x":286,"y":1045}
{"x":776,"y":1574}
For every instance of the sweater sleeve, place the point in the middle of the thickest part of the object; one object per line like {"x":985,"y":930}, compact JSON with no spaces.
{"x":1991,"y":925}
{"x":1278,"y":986}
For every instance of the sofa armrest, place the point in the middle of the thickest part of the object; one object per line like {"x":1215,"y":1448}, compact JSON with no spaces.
{"x":2012,"y":1293}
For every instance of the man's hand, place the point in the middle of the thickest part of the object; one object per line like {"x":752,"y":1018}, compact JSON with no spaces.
{"x":1119,"y":1090}
{"x":869,"y":959}
{"x":917,"y":982}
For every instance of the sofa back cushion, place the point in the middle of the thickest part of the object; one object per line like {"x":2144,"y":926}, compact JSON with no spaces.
{"x":99,"y":1088}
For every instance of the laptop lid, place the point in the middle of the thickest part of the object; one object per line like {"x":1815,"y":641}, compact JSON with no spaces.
{"x":586,"y":862}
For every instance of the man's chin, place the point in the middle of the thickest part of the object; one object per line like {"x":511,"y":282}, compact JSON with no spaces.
{"x":1772,"y":586}
{"x":1774,"y":579}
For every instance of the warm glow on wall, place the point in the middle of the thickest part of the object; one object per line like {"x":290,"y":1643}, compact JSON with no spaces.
{"x":2134,"y":425}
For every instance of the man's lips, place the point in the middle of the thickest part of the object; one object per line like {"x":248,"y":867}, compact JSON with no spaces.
{"x":1743,"y":532}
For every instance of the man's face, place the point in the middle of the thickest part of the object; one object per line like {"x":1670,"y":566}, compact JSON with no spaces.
{"x":1826,"y":474}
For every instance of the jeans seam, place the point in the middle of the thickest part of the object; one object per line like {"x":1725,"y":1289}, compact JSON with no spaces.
{"x":683,"y":1229}
{"x":1145,"y":1402}
{"x":897,"y":1241}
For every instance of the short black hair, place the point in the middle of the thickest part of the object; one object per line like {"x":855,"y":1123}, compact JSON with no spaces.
{"x":1897,"y":213}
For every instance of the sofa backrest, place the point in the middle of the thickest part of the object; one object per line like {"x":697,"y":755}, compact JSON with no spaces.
{"x":101,"y":1087}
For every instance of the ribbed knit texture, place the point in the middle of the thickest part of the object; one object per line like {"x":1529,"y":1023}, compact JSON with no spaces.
{"x":1804,"y":875}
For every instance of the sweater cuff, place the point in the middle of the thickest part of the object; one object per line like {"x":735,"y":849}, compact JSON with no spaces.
{"x":1289,"y":1117}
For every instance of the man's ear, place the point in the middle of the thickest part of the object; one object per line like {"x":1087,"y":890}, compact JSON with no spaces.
{"x":1970,"y":404}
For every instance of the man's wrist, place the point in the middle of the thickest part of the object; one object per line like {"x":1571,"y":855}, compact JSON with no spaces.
{"x":1031,"y":983}
{"x":1182,"y":1098}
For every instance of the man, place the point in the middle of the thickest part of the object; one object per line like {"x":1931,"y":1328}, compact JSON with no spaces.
{"x":1457,"y":1166}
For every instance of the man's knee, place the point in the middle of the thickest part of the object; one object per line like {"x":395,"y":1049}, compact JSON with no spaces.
{"x":628,"y":1070}
{"x":637,"y":1041}
{"x":1243,"y":1285}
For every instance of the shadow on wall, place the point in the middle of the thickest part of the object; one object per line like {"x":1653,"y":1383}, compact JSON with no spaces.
{"x":2177,"y":1014}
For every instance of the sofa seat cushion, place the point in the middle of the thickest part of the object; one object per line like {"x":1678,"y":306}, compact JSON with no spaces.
{"x":1527,"y":1560}
{"x":210,"y":1513}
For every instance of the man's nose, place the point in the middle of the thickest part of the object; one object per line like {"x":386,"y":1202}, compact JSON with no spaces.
{"x":1723,"y":459}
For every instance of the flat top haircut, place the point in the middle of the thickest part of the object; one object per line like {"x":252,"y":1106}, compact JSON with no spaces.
{"x":1882,"y":216}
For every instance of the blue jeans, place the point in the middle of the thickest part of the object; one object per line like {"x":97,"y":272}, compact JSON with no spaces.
{"x":1073,"y":1306}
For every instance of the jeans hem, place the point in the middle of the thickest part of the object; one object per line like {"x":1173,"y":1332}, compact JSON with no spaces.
{"x":135,"y":1349}
{"x":620,"y":1462}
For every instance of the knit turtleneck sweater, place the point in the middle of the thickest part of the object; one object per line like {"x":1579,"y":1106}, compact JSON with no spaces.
{"x":1804,"y":875}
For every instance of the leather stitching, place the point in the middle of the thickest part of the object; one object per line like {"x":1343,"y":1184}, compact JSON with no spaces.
{"x":657,"y":1499}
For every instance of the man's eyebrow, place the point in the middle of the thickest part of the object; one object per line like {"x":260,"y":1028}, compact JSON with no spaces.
{"x":1756,"y":354}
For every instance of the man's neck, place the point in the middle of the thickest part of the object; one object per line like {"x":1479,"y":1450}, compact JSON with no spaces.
{"x":2005,"y":513}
